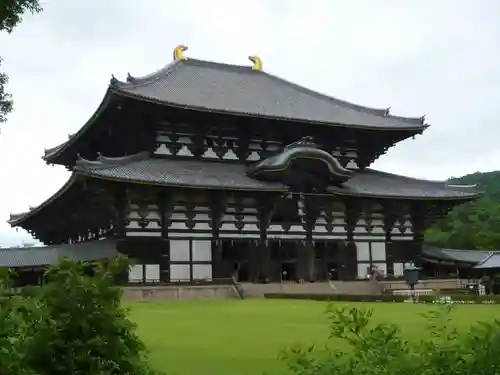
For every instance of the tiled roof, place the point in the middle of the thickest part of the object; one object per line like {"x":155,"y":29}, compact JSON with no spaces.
{"x":492,"y":261}
{"x":220,"y":175}
{"x":40,"y":256}
{"x":211,"y":86}
{"x":238,"y":90}
{"x":169,"y":172}
{"x":370,"y":182}
{"x":223,"y":175}
{"x":454,"y":255}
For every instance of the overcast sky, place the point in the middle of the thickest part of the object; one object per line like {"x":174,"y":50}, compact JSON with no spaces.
{"x":438,"y":58}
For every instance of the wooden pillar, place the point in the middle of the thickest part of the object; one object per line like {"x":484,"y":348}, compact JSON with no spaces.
{"x":309,"y":210}
{"x":389,"y":211}
{"x":265,"y":212}
{"x":418,"y":218}
{"x":310,"y":257}
{"x":165,"y":204}
{"x":217,"y":208}
{"x":352,"y":212}
{"x":121,"y":205}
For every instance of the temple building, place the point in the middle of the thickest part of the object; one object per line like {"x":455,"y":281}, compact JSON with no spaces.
{"x":204,"y":171}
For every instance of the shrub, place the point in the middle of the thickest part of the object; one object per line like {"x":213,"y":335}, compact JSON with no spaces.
{"x":74,"y":325}
{"x":380,"y":349}
{"x":15,"y":315}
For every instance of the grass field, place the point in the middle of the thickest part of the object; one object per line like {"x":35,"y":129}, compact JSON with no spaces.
{"x":245,"y":337}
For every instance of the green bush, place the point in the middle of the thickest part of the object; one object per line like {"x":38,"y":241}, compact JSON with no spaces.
{"x":380,"y":349}
{"x":72,"y":325}
{"x":15,"y":318}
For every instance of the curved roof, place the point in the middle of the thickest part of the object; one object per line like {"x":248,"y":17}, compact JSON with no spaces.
{"x":272,"y":167}
{"x":16,"y":218}
{"x":235,"y":89}
{"x":220,"y":175}
{"x":238,"y":90}
{"x":373,"y":183}
{"x":141,"y":168}
{"x":50,"y":153}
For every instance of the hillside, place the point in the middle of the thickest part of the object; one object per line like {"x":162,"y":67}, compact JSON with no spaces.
{"x":474,"y":225}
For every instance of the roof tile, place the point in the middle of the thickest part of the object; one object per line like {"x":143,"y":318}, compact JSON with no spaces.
{"x":455,"y":255}
{"x":46,"y":255}
{"x":222,"y":175}
{"x":240,"y":90}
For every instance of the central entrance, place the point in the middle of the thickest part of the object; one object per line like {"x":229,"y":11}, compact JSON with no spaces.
{"x":284,"y":255}
{"x":243,"y":259}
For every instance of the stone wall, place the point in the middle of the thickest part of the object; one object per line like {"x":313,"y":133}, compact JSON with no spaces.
{"x":183,"y":292}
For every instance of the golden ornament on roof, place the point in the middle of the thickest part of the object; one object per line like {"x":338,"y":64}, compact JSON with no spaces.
{"x":257,"y":62}
{"x":178,"y":52}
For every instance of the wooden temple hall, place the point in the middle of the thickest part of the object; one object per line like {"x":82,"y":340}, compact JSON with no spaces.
{"x":204,"y":171}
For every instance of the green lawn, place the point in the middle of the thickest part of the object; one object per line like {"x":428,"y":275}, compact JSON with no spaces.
{"x":244,"y":337}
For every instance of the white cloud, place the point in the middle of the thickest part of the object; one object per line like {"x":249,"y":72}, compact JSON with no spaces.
{"x":419,"y":57}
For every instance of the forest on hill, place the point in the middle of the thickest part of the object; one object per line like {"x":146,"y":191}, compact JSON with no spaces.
{"x":474,"y":225}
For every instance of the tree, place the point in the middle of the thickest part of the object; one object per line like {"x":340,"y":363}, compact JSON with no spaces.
{"x":474,"y":225}
{"x":11,"y":13}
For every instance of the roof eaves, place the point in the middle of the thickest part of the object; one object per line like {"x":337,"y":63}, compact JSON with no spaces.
{"x":414,"y":128}
{"x":17,"y":219}
{"x":385,"y":112}
{"x":106,"y":162}
{"x":465,"y":198}
{"x":52,"y":153}
{"x":93,"y":174}
{"x":96,"y":169}
{"x":491,"y":254}
{"x":413,"y":123}
{"x":381,"y":112}
{"x":46,"y":255}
